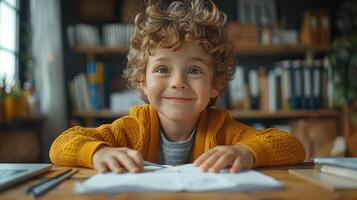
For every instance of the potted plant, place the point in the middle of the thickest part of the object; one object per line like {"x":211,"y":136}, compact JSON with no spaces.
{"x":344,"y":60}
{"x":15,"y":104}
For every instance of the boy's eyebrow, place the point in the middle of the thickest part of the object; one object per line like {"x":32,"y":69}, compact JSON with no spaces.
{"x":199,"y":60}
{"x":160,"y":59}
{"x":194,"y":58}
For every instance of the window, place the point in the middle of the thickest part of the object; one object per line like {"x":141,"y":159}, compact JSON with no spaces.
{"x":9,"y":40}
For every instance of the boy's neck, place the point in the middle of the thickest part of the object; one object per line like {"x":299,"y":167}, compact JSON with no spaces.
{"x":176,"y":131}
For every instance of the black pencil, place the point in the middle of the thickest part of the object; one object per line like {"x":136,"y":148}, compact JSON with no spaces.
{"x":48,"y":184}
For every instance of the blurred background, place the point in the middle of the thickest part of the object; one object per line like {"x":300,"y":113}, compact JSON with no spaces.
{"x":61,"y":64}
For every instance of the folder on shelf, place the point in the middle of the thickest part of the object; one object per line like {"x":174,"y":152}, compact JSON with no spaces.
{"x":317,"y":84}
{"x":295,"y":84}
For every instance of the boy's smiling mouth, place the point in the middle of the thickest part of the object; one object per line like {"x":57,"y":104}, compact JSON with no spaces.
{"x":178,"y":99}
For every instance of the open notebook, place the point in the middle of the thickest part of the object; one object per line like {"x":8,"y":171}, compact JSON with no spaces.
{"x":175,"y":179}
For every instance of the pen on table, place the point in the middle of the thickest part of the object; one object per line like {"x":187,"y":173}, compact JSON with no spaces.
{"x":48,"y":184}
{"x":147,"y":163}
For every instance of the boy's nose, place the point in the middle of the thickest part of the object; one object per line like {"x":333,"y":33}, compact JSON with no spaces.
{"x":179,"y":81}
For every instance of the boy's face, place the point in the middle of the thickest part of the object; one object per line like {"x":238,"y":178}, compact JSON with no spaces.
{"x":179,"y":83}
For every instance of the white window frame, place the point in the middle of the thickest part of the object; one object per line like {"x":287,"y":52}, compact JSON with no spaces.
{"x":10,"y":81}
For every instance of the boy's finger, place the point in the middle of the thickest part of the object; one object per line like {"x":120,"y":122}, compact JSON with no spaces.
{"x":203,"y":157}
{"x":114,"y":164}
{"x":222,"y":162}
{"x":127,"y":162}
{"x":138,"y":159}
{"x":102,"y":167}
{"x":210,"y":161}
{"x":236,"y":167}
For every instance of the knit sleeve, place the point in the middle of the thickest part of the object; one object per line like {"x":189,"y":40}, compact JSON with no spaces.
{"x":271,"y":147}
{"x":76,"y":146}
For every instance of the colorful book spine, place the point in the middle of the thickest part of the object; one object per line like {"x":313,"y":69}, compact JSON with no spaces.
{"x":254,"y":89}
{"x":92,"y":85}
{"x":317,"y":84}
{"x":100,"y":83}
{"x":286,"y":85}
{"x":293,"y":87}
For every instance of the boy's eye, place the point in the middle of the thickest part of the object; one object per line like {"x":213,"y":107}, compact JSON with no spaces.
{"x":194,"y":70}
{"x":163,"y":70}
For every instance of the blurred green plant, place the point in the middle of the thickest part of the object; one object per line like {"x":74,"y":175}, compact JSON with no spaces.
{"x":16,"y":91}
{"x":344,"y":61}
{"x":344,"y":57}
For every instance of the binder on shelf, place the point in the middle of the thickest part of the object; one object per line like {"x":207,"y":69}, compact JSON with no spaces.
{"x":303,"y":97}
{"x":285,"y":84}
{"x":272,"y":91}
{"x":317,"y":84}
{"x":295,"y":84}
{"x":254,"y":88}
{"x":309,"y":83}
{"x":278,"y":77}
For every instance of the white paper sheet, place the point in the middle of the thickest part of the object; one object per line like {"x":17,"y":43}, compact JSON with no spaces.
{"x":175,"y":179}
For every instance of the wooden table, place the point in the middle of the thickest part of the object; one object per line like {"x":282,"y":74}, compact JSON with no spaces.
{"x":294,"y":188}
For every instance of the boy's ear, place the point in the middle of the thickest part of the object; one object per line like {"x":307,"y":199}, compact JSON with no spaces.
{"x":217,"y":85}
{"x":143,"y":87}
{"x":214,"y":92}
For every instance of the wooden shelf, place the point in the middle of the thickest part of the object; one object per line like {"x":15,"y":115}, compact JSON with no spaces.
{"x":239,"y":51}
{"x":289,"y":114}
{"x":279,"y":50}
{"x":100,"y":50}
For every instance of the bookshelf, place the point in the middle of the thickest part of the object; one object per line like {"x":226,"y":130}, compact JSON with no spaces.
{"x":251,"y":52}
{"x":256,"y":50}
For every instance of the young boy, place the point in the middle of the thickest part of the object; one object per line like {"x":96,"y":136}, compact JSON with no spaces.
{"x":180,"y":59}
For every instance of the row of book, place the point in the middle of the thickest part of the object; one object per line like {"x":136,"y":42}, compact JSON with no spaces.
{"x":260,"y":25}
{"x":113,"y":35}
{"x":83,"y":35}
{"x":87,"y":90}
{"x":260,"y":12}
{"x":117,"y":35}
{"x":244,"y":35}
{"x":289,"y":84}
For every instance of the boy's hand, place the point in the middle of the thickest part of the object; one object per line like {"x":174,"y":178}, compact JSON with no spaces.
{"x":237,"y":157}
{"x":118,"y":160}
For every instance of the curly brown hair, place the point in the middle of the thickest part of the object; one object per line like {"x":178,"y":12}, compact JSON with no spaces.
{"x":170,"y":26}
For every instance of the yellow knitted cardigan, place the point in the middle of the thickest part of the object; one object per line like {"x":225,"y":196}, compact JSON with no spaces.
{"x":140,"y":130}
